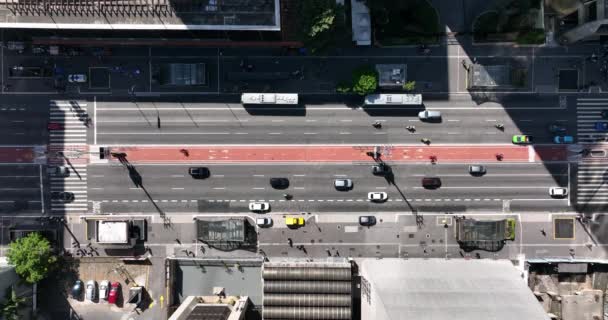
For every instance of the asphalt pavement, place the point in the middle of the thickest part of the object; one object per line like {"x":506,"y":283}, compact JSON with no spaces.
{"x":191,"y":123}
{"x":230,"y":188}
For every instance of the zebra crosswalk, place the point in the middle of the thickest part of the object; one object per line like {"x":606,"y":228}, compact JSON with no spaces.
{"x":71,"y":116}
{"x":592,"y":188}
{"x":75,"y":183}
{"x":588,"y":113}
{"x":68,"y":150}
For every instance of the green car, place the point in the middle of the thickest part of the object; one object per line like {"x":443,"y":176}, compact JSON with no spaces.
{"x":522,"y":139}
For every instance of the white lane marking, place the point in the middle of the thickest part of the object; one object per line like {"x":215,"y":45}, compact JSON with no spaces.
{"x":258,"y":175}
{"x":177,"y":176}
{"x":95,"y":120}
{"x":299,"y":175}
{"x":258,"y":188}
{"x":176,"y":188}
{"x":218,"y":188}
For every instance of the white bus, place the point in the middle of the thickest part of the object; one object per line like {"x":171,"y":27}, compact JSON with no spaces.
{"x":393,"y":99}
{"x":269,"y":98}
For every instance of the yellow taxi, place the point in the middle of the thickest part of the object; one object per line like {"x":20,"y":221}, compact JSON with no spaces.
{"x":294,"y":221}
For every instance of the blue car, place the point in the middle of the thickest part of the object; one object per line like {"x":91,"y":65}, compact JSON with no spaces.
{"x":601,"y":126}
{"x":563,"y":139}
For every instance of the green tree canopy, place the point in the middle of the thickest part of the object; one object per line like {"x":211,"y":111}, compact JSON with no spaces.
{"x":322,"y":23}
{"x":32,"y":257}
{"x":365,"y":80}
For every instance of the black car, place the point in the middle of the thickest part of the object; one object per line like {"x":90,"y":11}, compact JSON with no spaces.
{"x":279,"y":183}
{"x":77,"y":290}
{"x":431,"y":183}
{"x":381,"y":169}
{"x":367,"y":221}
{"x":62,"y":196}
{"x":604,"y":114}
{"x":199,"y":172}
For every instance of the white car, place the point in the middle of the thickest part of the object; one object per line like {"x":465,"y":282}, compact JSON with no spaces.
{"x":264,"y":222}
{"x":77,"y":78}
{"x":104,"y":287}
{"x":558,"y":192}
{"x":377,"y":196}
{"x":259,"y":206}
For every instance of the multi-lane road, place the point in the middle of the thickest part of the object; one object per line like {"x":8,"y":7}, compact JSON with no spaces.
{"x":231,"y":187}
{"x":507,"y":186}
{"x":463,"y":122}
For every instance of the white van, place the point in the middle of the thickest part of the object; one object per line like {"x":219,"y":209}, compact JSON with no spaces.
{"x":269,"y":98}
{"x":393,"y":99}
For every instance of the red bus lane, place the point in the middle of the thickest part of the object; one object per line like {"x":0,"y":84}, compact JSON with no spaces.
{"x":328,"y":153}
{"x":19,"y":154}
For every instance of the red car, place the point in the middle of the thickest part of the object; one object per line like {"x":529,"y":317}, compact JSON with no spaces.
{"x":114,"y":291}
{"x":54,"y":126}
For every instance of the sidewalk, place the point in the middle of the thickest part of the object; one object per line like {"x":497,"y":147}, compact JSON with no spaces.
{"x":468,"y":154}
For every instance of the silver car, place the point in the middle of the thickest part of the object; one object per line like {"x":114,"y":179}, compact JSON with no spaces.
{"x":429,"y":115}
{"x":343,"y":184}
{"x":90,"y":292}
{"x":104,"y":288}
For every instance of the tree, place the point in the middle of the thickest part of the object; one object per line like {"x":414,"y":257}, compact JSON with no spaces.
{"x":32,"y":256}
{"x":409,"y":86}
{"x":365,"y":80}
{"x":11,"y":306}
{"x":321,"y":23}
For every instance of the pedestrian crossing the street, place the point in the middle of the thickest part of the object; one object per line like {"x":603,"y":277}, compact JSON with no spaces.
{"x":69,"y":193}
{"x":588,"y":115}
{"x":591,"y":186}
{"x":68,"y":123}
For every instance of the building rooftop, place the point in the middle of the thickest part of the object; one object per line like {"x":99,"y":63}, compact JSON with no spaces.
{"x":262,"y":15}
{"x":441,"y":289}
{"x":391,"y":75}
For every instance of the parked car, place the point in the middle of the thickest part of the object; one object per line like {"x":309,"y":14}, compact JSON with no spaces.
{"x":90,"y":290}
{"x":259,"y":207}
{"x":114,"y":292}
{"x":477,"y":170}
{"x":77,"y":78}
{"x":377,"y":196}
{"x":264,"y":222}
{"x":103,"y":289}
{"x":381,"y":169}
{"x":431,"y":183}
{"x":563,"y":139}
{"x":521,"y":139}
{"x":59,"y":171}
{"x":429,"y":115}
{"x":557,"y":128}
{"x":604,"y":114}
{"x":343,"y":184}
{"x":199,"y":172}
{"x":54,"y":126}
{"x":77,"y":290}
{"x":279,"y":183}
{"x":558,"y":192}
{"x":367,"y":221}
{"x":62,"y":196}
{"x":601,"y":126}
{"x":294,"y":221}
